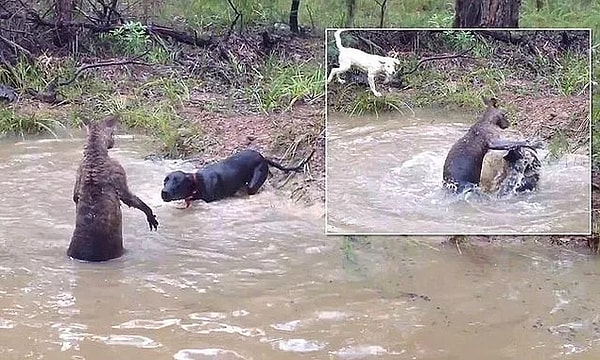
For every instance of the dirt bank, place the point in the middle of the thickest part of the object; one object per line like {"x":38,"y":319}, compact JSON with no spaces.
{"x":293,"y":133}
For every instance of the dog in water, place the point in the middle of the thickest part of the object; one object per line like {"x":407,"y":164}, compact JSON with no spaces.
{"x":462,"y":168}
{"x":373,"y":65}
{"x":505,"y":173}
{"x":100,"y":186}
{"x":247,"y":170}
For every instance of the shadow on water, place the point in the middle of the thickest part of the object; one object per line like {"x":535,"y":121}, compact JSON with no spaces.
{"x":385,"y":176}
{"x":255,"y":278}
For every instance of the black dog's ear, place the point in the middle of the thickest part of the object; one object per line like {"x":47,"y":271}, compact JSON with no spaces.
{"x":194,"y":178}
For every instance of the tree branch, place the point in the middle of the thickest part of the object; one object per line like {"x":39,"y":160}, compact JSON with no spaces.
{"x":436,"y":58}
{"x":96,"y":65}
{"x":16,"y":46}
{"x":50,"y":93}
{"x":371,"y":44}
{"x":382,"y":4}
{"x":238,"y":15}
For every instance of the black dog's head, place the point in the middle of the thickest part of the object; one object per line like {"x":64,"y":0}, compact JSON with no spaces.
{"x":178,"y":186}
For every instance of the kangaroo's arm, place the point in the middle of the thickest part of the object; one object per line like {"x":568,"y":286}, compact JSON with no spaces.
{"x":77,"y":185}
{"x":500,"y":144}
{"x":119,"y":179}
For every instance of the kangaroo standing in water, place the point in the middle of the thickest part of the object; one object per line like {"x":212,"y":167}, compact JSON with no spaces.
{"x":100,"y":185}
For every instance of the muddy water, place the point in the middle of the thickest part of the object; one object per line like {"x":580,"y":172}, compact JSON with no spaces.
{"x":255,"y":278}
{"x":384,"y":176}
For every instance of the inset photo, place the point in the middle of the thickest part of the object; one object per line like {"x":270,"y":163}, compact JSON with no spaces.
{"x":458,"y":131}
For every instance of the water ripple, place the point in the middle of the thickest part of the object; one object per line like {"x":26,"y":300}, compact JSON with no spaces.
{"x":300,"y":345}
{"x":362,"y":351}
{"x":208,"y":327}
{"x":137,"y":341}
{"x":147,"y":324}
{"x":210,"y":353}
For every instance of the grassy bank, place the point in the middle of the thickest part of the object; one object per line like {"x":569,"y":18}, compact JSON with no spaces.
{"x":152,"y":98}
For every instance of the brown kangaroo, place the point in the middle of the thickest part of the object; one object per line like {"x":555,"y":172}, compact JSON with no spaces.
{"x":100,"y":185}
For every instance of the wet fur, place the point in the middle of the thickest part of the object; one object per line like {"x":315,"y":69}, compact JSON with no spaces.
{"x":515,"y":171}
{"x":247,"y":170}
{"x":100,"y":185}
{"x":463,"y":165}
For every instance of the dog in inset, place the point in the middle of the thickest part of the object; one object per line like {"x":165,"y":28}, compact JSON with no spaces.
{"x":247,"y":170}
{"x":373,"y":65}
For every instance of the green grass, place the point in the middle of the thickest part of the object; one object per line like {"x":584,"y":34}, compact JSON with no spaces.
{"x":365,"y":102}
{"x":283,"y":85}
{"x":172,"y":88}
{"x":321,"y":14}
{"x":558,"y":145}
{"x":13,"y":123}
{"x":572,"y":75}
{"x":131,"y":39}
{"x":559,"y":14}
{"x":210,"y":14}
{"x":26,"y":75}
{"x":158,"y":119}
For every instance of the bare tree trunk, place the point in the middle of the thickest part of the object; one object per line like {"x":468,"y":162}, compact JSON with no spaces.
{"x":64,"y":14}
{"x":487,"y":13}
{"x":350,"y":13}
{"x":294,"y":16}
{"x":539,"y":4}
{"x":382,"y":5}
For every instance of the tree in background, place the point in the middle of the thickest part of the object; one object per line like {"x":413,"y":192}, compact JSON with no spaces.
{"x":487,"y":13}
{"x":294,"y":16}
{"x":350,"y":13}
{"x":64,"y":15}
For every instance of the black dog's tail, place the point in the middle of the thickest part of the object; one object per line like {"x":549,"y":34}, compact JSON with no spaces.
{"x":294,"y":168}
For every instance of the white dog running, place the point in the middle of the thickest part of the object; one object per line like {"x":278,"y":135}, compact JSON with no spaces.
{"x":373,"y":65}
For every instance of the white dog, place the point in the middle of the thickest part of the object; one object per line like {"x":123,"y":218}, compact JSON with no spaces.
{"x":373,"y":65}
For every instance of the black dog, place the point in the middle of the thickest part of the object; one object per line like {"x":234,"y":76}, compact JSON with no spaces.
{"x":521,"y":171}
{"x":246,"y":169}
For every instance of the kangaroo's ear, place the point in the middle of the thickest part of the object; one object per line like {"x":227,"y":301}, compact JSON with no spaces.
{"x":491,"y":102}
{"x":111,"y":121}
{"x":85,"y":121}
